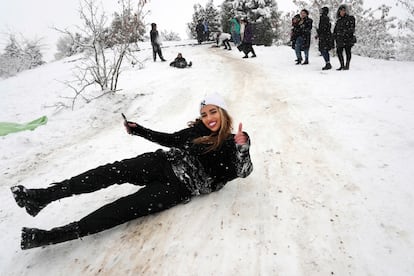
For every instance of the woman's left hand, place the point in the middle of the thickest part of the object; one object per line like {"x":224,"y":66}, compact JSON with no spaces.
{"x":240,"y":138}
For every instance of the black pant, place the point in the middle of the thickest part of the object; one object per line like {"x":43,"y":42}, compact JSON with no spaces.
{"x":161,"y":190}
{"x":226,"y":44}
{"x":339,"y":51}
{"x":156,"y":49}
{"x":247,"y":48}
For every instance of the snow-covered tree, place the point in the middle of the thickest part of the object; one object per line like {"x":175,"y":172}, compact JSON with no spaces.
{"x":212,"y":16}
{"x":20,"y":56}
{"x":32,"y":54}
{"x":262,"y":14}
{"x":373,"y":33}
{"x":68,"y":45}
{"x":209,"y":14}
{"x":104,"y":49}
{"x":405,"y":38}
{"x":125,"y":27}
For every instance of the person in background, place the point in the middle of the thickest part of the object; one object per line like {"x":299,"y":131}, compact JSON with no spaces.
{"x":242,"y":27}
{"x":201,"y":159}
{"x":303,"y":38}
{"x":223,"y":39}
{"x":294,"y":31}
{"x":155,"y":42}
{"x":200,"y":31}
{"x":206,"y":31}
{"x":247,"y":42}
{"x":235,"y":31}
{"x":325,"y":37}
{"x":180,"y":62}
{"x":344,"y":36}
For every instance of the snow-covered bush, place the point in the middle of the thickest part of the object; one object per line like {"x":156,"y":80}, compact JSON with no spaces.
{"x":20,"y":56}
{"x":170,"y":36}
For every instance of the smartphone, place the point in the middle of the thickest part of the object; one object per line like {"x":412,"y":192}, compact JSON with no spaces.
{"x":125,"y":119}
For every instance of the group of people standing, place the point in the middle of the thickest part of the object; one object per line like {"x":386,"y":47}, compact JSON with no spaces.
{"x":241,"y":32}
{"x":343,"y":36}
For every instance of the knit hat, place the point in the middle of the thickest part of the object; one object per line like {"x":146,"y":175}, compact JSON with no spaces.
{"x":214,"y":99}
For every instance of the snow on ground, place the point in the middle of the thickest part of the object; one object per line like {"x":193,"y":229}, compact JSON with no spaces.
{"x":331,"y":192}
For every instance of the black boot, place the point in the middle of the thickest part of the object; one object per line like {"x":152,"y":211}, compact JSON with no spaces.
{"x":327,"y":66}
{"x":34,"y":200}
{"x":347,"y":64}
{"x":31,"y":199}
{"x":33,"y":237}
{"x":298,"y":61}
{"x":341,"y":61}
{"x":305,"y":62}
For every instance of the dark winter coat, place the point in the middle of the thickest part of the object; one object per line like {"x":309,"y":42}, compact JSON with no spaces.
{"x":179,"y":62}
{"x":305,"y":30}
{"x":344,"y":31}
{"x":295,"y":30}
{"x":200,"y":30}
{"x":155,"y":41}
{"x":325,"y":36}
{"x":248,"y":33}
{"x":201,"y":172}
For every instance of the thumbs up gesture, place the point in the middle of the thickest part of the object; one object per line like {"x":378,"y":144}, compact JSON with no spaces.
{"x":240,"y":138}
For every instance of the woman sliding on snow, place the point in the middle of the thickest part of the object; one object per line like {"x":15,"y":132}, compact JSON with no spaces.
{"x":201,"y":159}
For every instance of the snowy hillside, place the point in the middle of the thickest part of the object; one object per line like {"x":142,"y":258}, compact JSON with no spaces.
{"x":331,"y":192}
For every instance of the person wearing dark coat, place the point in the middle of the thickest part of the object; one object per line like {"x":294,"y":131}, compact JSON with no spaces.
{"x":200,"y":31}
{"x":294,"y":31}
{"x":247,"y":43}
{"x":303,"y":38}
{"x":325,"y":37}
{"x":201,"y":159}
{"x":155,"y":42}
{"x":180,"y":62}
{"x":344,"y":34}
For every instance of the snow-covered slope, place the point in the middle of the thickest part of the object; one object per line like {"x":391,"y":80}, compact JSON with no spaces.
{"x":331,"y":192}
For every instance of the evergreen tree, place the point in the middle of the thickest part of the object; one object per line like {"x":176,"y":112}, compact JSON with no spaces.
{"x":127,"y":27}
{"x":13,"y":49}
{"x":32,"y":55}
{"x":17,"y":58}
{"x":210,"y":14}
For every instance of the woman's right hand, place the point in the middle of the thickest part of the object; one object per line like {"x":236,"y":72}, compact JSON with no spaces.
{"x":129,"y":126}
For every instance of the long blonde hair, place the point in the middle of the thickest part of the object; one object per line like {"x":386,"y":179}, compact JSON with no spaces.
{"x":216,"y":139}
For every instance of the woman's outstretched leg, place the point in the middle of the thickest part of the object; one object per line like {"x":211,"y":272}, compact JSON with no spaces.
{"x":153,"y":198}
{"x":139,"y":171}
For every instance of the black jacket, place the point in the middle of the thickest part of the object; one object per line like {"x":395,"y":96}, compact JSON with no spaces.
{"x":326,"y":41}
{"x":201,"y":172}
{"x":305,"y":30}
{"x":179,"y":62}
{"x":344,"y":31}
{"x":154,"y":37}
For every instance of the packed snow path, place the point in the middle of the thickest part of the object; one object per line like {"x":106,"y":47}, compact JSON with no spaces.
{"x":330,"y":193}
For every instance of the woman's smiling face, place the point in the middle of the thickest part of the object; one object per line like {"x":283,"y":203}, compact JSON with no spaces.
{"x":211,"y":117}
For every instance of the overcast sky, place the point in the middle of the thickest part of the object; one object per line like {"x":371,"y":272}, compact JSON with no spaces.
{"x":35,"y":19}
